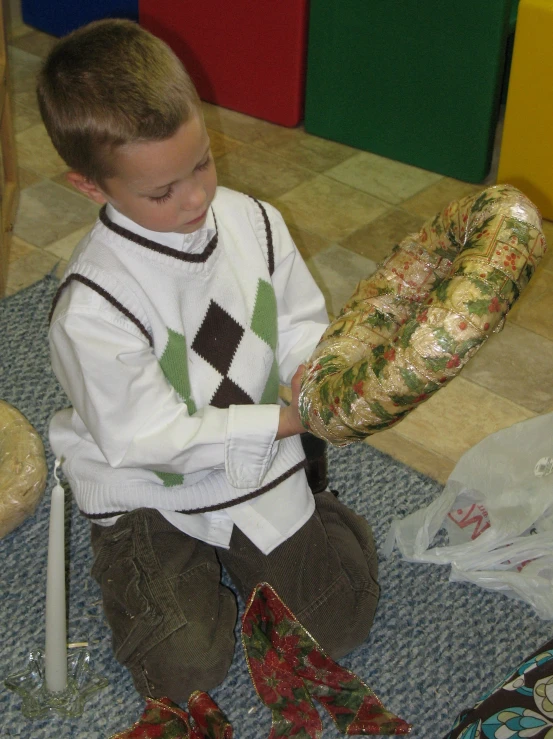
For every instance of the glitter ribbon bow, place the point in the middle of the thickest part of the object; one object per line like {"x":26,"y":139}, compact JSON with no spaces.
{"x":163,"y":719}
{"x":289,"y":669}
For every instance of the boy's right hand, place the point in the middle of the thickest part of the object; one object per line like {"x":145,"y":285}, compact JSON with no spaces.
{"x":290,"y":423}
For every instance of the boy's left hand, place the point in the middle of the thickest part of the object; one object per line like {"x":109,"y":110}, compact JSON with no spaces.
{"x":290,"y":423}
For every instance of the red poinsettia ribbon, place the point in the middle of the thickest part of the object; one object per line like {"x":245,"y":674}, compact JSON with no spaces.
{"x":288,"y":669}
{"x":163,"y":719}
{"x":210,"y":720}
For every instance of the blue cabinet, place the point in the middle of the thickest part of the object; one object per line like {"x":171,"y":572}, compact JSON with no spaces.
{"x":59,"y":17}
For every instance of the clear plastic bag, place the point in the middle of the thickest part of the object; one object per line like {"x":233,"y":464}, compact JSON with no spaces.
{"x":497,"y":510}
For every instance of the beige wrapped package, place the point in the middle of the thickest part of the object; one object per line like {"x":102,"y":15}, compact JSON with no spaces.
{"x":411,"y":326}
{"x":23,"y":469}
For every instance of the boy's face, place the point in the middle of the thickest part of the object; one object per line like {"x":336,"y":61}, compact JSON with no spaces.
{"x":164,"y":185}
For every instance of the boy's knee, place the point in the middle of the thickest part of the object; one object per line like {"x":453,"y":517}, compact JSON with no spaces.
{"x":342,"y":621}
{"x":363,"y":609}
{"x":342,"y":618}
{"x":189,"y":659}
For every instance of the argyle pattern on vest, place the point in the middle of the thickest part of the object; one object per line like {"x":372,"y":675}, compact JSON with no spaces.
{"x":234,"y":352}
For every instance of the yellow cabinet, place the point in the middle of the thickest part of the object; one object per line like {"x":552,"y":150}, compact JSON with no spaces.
{"x":526,"y":157}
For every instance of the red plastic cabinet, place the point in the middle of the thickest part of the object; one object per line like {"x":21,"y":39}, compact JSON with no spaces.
{"x":247,"y":55}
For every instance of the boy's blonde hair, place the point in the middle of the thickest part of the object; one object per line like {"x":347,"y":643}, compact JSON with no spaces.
{"x":108,"y":84}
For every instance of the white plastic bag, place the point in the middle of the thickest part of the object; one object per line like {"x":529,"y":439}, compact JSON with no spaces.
{"x":497,"y":509}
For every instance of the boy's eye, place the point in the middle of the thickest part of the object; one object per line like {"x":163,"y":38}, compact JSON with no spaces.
{"x":205,"y":164}
{"x":162,"y":198}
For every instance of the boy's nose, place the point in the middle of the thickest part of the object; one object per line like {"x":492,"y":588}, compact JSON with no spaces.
{"x":195,"y":197}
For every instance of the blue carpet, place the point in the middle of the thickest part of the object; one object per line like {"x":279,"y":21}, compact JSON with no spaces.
{"x":435,"y":646}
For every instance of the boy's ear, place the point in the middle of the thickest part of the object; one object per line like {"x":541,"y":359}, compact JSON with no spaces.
{"x":86,"y":186}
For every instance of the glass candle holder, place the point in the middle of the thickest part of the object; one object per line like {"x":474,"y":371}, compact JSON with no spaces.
{"x":38,"y":701}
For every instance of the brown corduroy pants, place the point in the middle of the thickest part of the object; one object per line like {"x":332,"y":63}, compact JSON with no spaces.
{"x":173,"y":620}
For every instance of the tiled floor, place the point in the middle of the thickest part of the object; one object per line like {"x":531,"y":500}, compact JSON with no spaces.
{"x":346,"y":209}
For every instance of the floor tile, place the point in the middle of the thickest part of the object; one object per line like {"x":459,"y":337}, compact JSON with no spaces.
{"x":27,"y":178}
{"x":25,"y":111}
{"x":412,"y":454}
{"x":61,"y":179}
{"x":16,"y":27}
{"x":304,"y":149}
{"x":259,"y":173}
{"x":35,"y":42}
{"x":376,"y":239}
{"x":36,"y":153}
{"x":458,"y":416}
{"x":19,"y":249}
{"x":383,"y":178}
{"x":534,"y":309}
{"x":48,"y":212}
{"x":236,"y":125}
{"x":23,"y":68}
{"x":308,"y":243}
{"x":337,"y":271}
{"x":516,"y":364}
{"x":329,"y":208}
{"x":63,"y":248}
{"x":433,"y":199}
{"x":31,"y":268}
{"x":221,"y":144}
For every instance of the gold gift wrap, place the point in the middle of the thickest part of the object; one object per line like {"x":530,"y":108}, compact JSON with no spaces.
{"x":412,"y":325}
{"x":23,"y":468}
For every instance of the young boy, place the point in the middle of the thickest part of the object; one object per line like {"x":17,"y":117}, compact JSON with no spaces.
{"x":178,"y":316}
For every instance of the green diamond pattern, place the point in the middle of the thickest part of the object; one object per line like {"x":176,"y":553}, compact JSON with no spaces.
{"x":264,"y":325}
{"x":264,"y":319}
{"x":170,"y":479}
{"x":270,"y":394}
{"x":174,"y":363}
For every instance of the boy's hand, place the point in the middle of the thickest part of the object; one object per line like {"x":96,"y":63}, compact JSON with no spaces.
{"x":290,"y":423}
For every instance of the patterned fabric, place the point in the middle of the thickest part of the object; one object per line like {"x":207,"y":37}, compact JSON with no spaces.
{"x":413,"y":325}
{"x":289,"y":670}
{"x":163,"y":719}
{"x":228,"y":346}
{"x":520,"y":707}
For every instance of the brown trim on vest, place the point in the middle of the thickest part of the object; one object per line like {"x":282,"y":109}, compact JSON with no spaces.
{"x":160,"y":248}
{"x":219,"y":506}
{"x":255,"y":493}
{"x":269,"y":236}
{"x":104,"y":293}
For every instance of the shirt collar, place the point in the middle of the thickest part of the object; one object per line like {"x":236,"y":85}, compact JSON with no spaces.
{"x":188,"y":243}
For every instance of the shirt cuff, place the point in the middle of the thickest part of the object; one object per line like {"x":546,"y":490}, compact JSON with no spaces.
{"x":250,"y":445}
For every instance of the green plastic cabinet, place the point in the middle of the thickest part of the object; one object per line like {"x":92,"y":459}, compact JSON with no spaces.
{"x":415,"y":81}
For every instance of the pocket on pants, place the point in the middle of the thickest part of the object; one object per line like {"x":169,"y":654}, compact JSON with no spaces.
{"x":113,"y":544}
{"x":139,"y":605}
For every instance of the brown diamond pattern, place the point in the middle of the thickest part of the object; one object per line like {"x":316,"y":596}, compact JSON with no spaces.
{"x":229,"y":393}
{"x":218,"y":338}
{"x":217,"y":341}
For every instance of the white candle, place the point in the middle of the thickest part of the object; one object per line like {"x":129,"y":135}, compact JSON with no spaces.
{"x":56,"y":636}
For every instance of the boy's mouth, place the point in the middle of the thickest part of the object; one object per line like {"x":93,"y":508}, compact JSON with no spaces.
{"x":198,"y":219}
